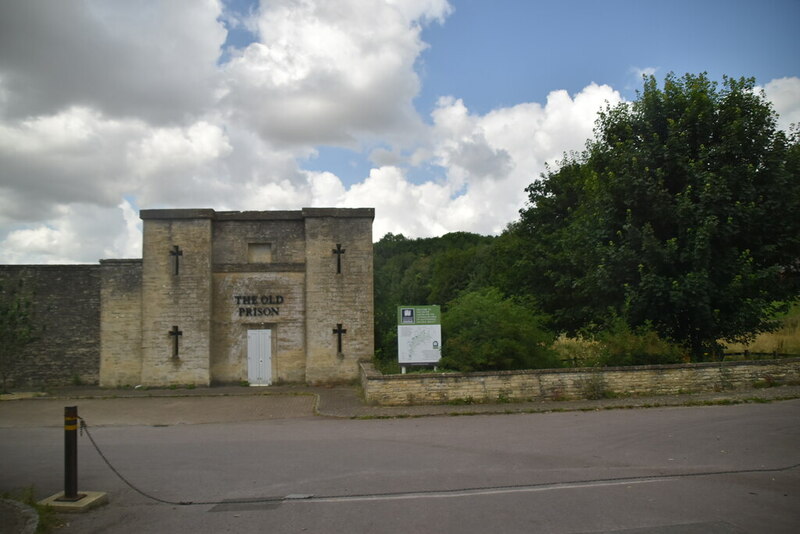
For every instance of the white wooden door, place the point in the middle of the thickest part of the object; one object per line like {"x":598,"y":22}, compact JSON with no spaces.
{"x":259,"y":357}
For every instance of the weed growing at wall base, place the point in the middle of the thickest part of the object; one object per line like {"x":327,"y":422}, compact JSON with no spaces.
{"x":48,"y":519}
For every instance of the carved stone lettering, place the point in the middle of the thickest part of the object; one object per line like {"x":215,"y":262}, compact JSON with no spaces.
{"x":258,"y":305}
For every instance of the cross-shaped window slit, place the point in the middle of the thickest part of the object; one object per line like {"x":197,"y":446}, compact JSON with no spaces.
{"x":176,"y":252}
{"x":339,"y":331}
{"x":338,"y":251}
{"x":175,"y":333}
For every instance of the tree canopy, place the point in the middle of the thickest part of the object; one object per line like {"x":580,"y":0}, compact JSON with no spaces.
{"x":683,"y":213}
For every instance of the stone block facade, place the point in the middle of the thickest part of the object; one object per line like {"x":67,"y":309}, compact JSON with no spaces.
{"x":210,"y":280}
{"x":339,"y":291}
{"x":176,"y":297}
{"x":121,"y":323}
{"x":230,"y":325}
{"x":560,"y":384}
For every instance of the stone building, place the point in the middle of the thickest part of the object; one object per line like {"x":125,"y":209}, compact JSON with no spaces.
{"x":229,"y":297}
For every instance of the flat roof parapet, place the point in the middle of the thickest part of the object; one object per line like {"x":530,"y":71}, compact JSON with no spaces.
{"x":46,"y":266}
{"x":177,"y":214}
{"x":278,"y":215}
{"x":111,"y":261}
{"x":258,"y":215}
{"x":358,"y":213}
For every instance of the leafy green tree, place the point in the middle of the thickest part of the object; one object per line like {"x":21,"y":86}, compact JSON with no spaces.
{"x":683,"y":213}
{"x":16,"y":329}
{"x":482,"y":331}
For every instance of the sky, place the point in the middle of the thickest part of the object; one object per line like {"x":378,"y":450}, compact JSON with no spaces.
{"x":438,"y":114}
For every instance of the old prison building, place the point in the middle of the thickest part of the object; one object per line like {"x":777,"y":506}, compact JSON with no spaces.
{"x":226,"y":297}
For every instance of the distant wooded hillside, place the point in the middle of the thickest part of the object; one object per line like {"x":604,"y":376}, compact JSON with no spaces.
{"x":424,"y":271}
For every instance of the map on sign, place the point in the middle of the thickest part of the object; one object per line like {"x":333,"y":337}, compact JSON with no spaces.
{"x":419,"y":334}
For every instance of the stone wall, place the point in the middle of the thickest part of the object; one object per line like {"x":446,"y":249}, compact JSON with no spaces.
{"x":180,"y":300}
{"x":285,"y":318}
{"x":66,"y":313}
{"x":560,"y":384}
{"x":338,"y":298}
{"x":234,"y":231}
{"x":121,"y":323}
{"x":276,"y":280}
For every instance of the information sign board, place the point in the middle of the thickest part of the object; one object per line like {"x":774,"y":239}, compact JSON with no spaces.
{"x":419,"y":334}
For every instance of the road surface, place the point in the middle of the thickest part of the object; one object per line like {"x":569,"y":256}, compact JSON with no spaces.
{"x":716,"y":469}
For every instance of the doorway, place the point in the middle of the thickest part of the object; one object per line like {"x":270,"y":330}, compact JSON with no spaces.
{"x":259,"y":357}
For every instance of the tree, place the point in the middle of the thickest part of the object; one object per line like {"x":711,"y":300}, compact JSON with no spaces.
{"x":682,"y":213}
{"x":16,"y":329}
{"x":482,"y":331}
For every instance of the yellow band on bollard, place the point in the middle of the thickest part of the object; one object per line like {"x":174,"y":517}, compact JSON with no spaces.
{"x":70,"y":423}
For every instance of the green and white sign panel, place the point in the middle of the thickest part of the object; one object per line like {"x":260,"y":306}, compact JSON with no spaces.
{"x":419,"y":334}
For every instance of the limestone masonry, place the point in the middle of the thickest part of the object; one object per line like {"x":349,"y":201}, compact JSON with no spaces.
{"x":217,"y":297}
{"x":226,"y":297}
{"x":574,"y":383}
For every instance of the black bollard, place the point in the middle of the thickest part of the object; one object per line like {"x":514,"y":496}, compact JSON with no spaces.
{"x":71,"y":455}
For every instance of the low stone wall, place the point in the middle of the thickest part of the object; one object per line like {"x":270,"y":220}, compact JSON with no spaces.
{"x":576,"y":383}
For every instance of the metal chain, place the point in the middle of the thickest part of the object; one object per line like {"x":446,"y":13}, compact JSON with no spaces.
{"x":85,"y":427}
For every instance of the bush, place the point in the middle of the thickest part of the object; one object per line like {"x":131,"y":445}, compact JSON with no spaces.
{"x":577,"y":351}
{"x":482,"y":331}
{"x":622,"y":345}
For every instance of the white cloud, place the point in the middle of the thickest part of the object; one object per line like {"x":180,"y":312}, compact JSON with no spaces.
{"x":128,"y":243}
{"x":639,"y":73}
{"x":76,"y":155}
{"x":172,"y":164}
{"x":490,"y":159}
{"x":78,"y":233}
{"x":784,"y":93}
{"x":80,"y":155}
{"x":156,"y":61}
{"x":110,"y":106}
{"x":331,"y":72}
{"x":401,"y":207}
{"x":326,"y":189}
{"x":175,"y":147}
{"x":102,"y":101}
{"x":487,"y":160}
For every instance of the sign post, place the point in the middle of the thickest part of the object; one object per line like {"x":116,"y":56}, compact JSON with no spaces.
{"x":419,"y":335}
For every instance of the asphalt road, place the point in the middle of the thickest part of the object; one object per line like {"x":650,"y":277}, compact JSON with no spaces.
{"x":716,"y":469}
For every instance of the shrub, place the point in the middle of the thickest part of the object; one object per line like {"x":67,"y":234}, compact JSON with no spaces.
{"x":482,"y":331}
{"x":577,"y":351}
{"x":623,"y":345}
